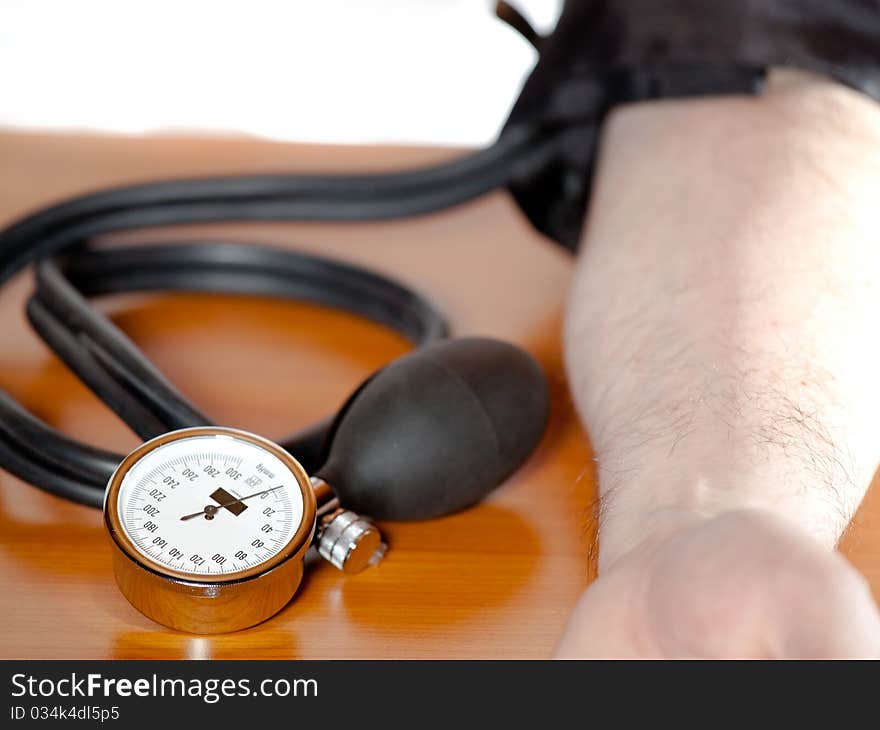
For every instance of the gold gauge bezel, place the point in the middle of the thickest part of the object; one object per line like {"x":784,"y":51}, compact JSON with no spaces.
{"x":294,"y":547}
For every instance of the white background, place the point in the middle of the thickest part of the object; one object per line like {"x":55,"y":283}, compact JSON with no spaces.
{"x":359,"y":71}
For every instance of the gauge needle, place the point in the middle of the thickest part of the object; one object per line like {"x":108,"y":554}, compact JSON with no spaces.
{"x":212,"y":509}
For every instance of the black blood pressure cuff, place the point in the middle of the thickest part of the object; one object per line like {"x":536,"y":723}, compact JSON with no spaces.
{"x":607,"y":52}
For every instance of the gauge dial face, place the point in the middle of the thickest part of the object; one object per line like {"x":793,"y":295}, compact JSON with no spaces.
{"x":210,"y":505}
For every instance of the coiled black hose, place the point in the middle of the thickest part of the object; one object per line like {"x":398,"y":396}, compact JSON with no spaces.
{"x":68,"y":271}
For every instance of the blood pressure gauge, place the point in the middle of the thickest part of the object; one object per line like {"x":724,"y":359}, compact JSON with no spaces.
{"x":209,"y":528}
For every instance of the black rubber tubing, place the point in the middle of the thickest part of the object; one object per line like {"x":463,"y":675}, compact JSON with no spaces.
{"x":110,"y":364}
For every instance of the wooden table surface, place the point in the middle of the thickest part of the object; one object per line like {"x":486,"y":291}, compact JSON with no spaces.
{"x":497,"y":580}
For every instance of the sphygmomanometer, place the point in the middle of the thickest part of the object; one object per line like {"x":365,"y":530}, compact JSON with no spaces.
{"x":209,"y":525}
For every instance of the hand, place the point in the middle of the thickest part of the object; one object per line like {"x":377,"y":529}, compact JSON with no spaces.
{"x":743,"y":584}
{"x":720,"y":351}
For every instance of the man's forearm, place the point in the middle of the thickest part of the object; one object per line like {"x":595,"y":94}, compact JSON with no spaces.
{"x":722,"y":329}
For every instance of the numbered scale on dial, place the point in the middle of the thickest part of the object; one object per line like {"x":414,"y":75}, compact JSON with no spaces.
{"x":210,"y":505}
{"x":209,"y":527}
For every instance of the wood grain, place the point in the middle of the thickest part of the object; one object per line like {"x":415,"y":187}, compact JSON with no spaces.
{"x":495,"y":581}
